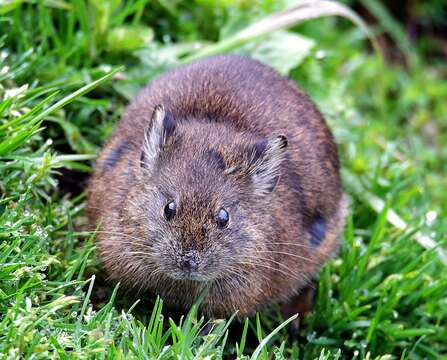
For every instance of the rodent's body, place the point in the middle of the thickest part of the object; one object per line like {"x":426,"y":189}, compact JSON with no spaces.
{"x":220,"y":149}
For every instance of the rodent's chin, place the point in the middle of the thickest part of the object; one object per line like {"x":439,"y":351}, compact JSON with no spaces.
{"x":192,"y":276}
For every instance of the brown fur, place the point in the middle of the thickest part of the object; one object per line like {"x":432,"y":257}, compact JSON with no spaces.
{"x":223,"y":107}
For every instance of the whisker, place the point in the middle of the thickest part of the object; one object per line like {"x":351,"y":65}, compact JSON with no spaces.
{"x":288,"y":272}
{"x":267,"y":267}
{"x":288,"y":254}
{"x":140,"y":253}
{"x":292,"y":244}
{"x":87,"y":233}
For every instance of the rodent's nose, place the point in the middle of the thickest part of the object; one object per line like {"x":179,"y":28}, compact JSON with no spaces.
{"x":189,"y":262}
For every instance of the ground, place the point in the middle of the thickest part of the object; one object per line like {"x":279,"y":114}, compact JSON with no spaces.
{"x":68,"y":69}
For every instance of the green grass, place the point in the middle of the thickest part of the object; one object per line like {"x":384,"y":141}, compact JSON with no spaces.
{"x":62,"y":88}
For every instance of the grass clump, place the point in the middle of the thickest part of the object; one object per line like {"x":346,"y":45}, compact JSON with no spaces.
{"x":61,"y":91}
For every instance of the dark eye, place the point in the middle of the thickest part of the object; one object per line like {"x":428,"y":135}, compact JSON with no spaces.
{"x":222,"y":218}
{"x":170,"y":210}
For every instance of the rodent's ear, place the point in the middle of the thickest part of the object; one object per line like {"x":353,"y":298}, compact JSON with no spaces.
{"x":266,"y":163}
{"x":159,"y":130}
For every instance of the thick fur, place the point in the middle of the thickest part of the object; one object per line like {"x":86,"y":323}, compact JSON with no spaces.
{"x":238,"y":136}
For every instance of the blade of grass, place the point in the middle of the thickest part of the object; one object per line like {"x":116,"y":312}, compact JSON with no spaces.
{"x":265,"y":341}
{"x":305,"y":10}
{"x":73,"y":96}
{"x":392,"y":217}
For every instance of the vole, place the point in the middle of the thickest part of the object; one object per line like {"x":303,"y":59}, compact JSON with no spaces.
{"x":221,"y":173}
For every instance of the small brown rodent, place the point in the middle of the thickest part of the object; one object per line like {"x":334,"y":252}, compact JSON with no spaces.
{"x":221,"y":173}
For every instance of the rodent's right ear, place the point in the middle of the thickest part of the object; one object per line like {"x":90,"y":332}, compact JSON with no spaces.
{"x":267,"y":156}
{"x":157,"y":134}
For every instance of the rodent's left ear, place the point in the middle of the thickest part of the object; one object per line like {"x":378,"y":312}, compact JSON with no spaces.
{"x":266,"y":163}
{"x":156,"y":136}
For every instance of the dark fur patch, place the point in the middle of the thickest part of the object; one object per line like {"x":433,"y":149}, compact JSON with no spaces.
{"x":142,"y":158}
{"x":259,"y":149}
{"x":217,"y":158}
{"x":114,"y":155}
{"x":317,"y":231}
{"x":168,"y":124}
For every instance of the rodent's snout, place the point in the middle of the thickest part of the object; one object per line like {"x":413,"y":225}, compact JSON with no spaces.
{"x":188,"y":266}
{"x":189,"y":262}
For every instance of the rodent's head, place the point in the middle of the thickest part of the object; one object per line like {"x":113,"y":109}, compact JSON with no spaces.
{"x":200,"y":206}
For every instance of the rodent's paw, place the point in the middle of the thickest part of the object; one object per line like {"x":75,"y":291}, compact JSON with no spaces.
{"x":300,"y":304}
